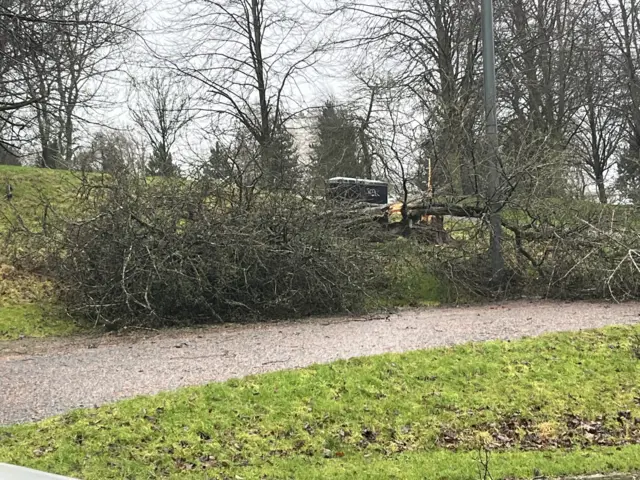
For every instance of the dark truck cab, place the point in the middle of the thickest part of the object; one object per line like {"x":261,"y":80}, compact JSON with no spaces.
{"x":358,"y":190}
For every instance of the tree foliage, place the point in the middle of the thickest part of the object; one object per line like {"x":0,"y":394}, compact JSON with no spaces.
{"x":335,"y":149}
{"x":161,"y":112}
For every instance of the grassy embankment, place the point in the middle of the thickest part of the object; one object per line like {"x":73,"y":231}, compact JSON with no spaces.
{"x":27,"y":305}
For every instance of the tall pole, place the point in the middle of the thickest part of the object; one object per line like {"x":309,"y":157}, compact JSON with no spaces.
{"x":489,"y":70}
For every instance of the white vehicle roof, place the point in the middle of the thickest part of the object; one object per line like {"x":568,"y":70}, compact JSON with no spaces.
{"x":363,"y":181}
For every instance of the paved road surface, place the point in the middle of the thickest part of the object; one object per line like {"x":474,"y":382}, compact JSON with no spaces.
{"x":39,"y":378}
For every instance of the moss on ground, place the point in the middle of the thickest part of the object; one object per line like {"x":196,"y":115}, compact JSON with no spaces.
{"x":560,"y":404}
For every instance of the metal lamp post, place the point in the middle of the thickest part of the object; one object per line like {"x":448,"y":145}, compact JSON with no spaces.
{"x":489,"y":71}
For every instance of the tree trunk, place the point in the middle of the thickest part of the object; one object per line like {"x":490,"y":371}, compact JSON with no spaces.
{"x":602,"y":194}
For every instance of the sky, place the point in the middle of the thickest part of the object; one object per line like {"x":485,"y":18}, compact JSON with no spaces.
{"x":162,"y":36}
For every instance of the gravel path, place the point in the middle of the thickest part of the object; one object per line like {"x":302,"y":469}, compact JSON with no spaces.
{"x":39,"y":378}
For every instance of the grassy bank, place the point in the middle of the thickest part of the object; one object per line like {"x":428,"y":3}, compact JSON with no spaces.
{"x":17,"y":321}
{"x":27,"y":307}
{"x":561,"y":404}
{"x":33,"y":188}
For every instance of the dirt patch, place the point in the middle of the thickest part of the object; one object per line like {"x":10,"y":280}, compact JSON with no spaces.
{"x":572,"y":432}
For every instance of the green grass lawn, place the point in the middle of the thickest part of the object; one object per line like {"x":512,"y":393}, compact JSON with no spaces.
{"x":27,"y":307}
{"x":559,"y":404}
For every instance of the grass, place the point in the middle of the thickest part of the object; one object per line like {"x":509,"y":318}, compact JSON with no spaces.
{"x":32,"y":189}
{"x":560,"y":404}
{"x":27,"y":307}
{"x":17,"y":321}
{"x":27,"y":304}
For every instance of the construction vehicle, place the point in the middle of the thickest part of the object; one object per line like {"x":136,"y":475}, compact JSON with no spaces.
{"x":376,"y":192}
{"x":357,"y":190}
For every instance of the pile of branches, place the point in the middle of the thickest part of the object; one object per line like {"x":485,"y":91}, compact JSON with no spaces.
{"x":566,"y":250}
{"x":179,"y":252}
{"x":553,"y":247}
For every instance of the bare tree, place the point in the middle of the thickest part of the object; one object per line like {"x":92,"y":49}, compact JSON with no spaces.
{"x":19,"y":38}
{"x":77,"y":40}
{"x":247,"y":56}
{"x":398,"y":148}
{"x":433,"y":50}
{"x":621,"y":19}
{"x":235,"y":163}
{"x":371,"y":86}
{"x":161,"y":111}
{"x":600,"y":120}
{"x":538,"y":48}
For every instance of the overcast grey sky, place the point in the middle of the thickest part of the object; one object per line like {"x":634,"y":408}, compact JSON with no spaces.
{"x":162,"y":36}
